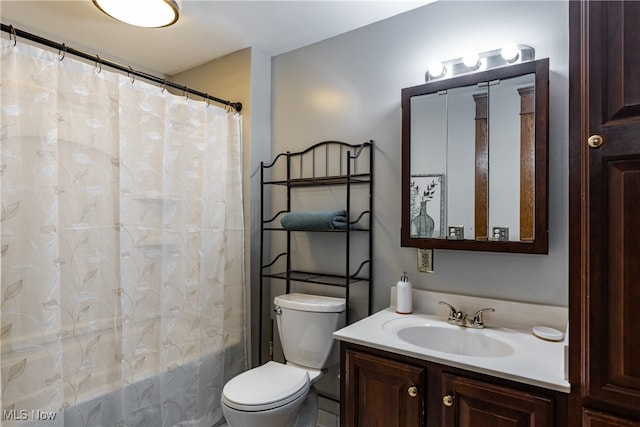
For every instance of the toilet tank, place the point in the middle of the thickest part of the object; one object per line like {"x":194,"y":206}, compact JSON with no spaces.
{"x":306,"y":324}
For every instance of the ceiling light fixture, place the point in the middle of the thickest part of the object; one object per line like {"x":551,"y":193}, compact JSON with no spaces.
{"x":141,"y":13}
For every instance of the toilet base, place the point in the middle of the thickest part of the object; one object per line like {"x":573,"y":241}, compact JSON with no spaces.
{"x":308,"y":415}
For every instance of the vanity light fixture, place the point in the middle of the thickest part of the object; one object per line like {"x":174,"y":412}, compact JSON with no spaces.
{"x":141,"y":13}
{"x":510,"y":54}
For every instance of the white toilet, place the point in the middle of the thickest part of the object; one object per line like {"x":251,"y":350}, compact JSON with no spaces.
{"x":282,"y":395}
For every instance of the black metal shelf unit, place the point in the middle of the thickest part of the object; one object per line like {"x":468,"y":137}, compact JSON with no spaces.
{"x":354,"y":168}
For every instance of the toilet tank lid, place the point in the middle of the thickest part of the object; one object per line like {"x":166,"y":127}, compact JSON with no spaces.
{"x":306,"y":302}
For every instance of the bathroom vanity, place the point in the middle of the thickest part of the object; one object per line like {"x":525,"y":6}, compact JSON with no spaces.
{"x":419,"y":370}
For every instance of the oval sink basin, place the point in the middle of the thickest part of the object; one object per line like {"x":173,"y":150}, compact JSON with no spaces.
{"x":450,"y":339}
{"x":461,"y":342}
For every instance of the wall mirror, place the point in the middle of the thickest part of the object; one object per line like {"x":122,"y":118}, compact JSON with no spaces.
{"x":474,"y":161}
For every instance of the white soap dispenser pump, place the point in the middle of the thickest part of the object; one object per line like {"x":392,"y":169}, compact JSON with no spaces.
{"x":403,"y":295}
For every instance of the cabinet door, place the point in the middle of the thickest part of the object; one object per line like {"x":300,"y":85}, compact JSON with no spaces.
{"x":382,"y":393}
{"x":598,"y":419}
{"x":605,"y":204}
{"x":470,"y":403}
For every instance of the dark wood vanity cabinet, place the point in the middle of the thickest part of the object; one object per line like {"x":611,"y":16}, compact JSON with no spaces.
{"x":600,"y":419}
{"x":471,"y":403}
{"x":382,"y":392}
{"x":385,"y":389}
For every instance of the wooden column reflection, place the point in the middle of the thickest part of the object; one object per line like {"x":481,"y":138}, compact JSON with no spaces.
{"x":482,"y":168}
{"x":527,"y":163}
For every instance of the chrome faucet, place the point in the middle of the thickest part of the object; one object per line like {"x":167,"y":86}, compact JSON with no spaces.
{"x":455,"y":317}
{"x":460,"y":319}
{"x":477,"y":321}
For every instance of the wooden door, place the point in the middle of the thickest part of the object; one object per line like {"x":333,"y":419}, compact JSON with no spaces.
{"x":471,"y":403}
{"x":605,"y":207}
{"x":379,"y":392}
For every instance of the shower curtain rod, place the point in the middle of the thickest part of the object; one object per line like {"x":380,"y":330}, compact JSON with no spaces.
{"x":64,"y":49}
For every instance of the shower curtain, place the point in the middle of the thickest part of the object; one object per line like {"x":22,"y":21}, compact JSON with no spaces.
{"x":122,"y":286}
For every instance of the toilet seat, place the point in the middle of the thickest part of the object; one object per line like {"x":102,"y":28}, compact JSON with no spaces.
{"x":266,"y":387}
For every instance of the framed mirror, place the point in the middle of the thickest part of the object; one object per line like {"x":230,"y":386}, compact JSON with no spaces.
{"x":474,"y":161}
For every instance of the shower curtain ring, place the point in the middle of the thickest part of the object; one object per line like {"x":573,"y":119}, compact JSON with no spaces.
{"x":185,"y":93}
{"x":206,"y":98}
{"x":62,"y":52}
{"x":98,"y":63}
{"x":13,"y":33}
{"x":164,"y":86}
{"x":133,"y":76}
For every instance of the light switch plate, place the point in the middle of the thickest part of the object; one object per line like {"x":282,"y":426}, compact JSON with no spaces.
{"x":425,"y":260}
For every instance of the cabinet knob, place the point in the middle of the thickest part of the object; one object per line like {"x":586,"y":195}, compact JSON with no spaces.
{"x":413,"y":391}
{"x":595,"y":141}
{"x":447,"y":400}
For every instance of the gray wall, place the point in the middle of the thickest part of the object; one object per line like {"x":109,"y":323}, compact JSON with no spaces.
{"x":348,"y":88}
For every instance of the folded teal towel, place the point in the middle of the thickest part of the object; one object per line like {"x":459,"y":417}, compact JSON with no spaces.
{"x":315,"y":220}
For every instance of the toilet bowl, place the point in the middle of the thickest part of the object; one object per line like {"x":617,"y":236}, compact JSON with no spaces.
{"x":271,"y":395}
{"x":282,"y":394}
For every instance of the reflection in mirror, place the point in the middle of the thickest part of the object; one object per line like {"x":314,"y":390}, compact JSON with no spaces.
{"x":471,"y":175}
{"x":466,"y":127}
{"x":512,"y":157}
{"x":428,"y":165}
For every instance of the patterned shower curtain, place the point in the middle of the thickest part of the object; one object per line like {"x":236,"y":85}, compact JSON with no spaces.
{"x":122,"y":286}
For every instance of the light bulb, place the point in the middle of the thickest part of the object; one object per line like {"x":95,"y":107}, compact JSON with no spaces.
{"x":471,"y":61}
{"x":510,"y":52}
{"x":436,"y":69}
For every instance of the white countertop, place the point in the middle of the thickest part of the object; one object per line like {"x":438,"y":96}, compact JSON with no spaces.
{"x":533,"y":360}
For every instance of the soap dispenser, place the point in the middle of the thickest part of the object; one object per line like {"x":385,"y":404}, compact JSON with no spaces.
{"x":403,"y":295}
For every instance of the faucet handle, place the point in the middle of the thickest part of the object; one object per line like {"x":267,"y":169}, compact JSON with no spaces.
{"x":477,"y":317}
{"x":454,"y":315}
